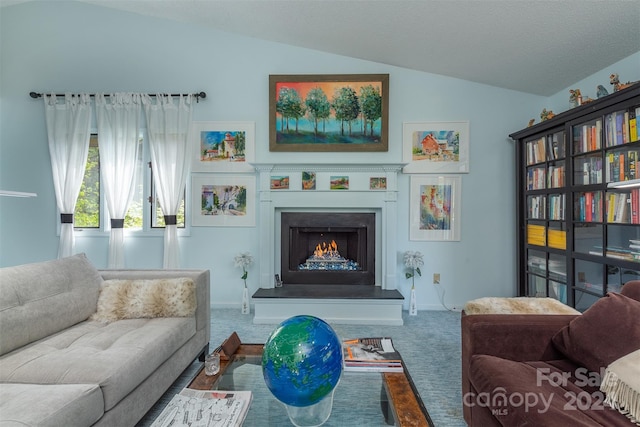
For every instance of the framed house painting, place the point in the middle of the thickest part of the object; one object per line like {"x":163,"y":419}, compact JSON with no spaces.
{"x":329,"y":112}
{"x":435,"y":208}
{"x":435,"y":147}
{"x":223,"y":146}
{"x":221,"y":200}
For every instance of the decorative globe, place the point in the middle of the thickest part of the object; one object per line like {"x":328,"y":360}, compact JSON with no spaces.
{"x":302,"y":361}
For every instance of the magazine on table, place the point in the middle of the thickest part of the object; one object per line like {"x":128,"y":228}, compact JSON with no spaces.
{"x":205,"y":408}
{"x":371,"y":355}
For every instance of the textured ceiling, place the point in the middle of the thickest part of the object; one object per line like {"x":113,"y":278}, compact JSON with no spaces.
{"x":533,"y":46}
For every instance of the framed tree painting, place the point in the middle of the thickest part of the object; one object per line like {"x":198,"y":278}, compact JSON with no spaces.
{"x":435,"y":208}
{"x":329,"y":112}
{"x":435,"y":147}
{"x":220,"y":200}
{"x":223,"y":146}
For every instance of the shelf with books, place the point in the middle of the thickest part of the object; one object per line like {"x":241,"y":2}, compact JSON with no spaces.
{"x":587,"y":137}
{"x":587,"y":206}
{"x":587,"y":169}
{"x":621,"y":126}
{"x":579,"y":214}
{"x":621,"y":163}
{"x":557,"y":205}
{"x":537,"y":207}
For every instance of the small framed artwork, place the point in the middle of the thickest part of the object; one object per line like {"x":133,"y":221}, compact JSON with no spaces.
{"x":223,"y":146}
{"x":435,"y":208}
{"x":435,"y":147}
{"x":339,"y":183}
{"x":329,"y":112}
{"x":279,"y":183}
{"x":378,"y":183}
{"x":221,"y":200}
{"x":308,"y":180}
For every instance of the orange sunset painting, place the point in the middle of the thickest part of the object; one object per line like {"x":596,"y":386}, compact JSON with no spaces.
{"x":328,"y":112}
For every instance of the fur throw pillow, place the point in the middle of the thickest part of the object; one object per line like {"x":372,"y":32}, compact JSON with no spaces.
{"x":145,"y":298}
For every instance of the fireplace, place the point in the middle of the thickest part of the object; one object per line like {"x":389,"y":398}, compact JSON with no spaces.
{"x":362,"y":221}
{"x":328,"y":248}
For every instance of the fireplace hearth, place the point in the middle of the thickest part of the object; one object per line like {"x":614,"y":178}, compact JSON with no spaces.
{"x":328,"y":248}
{"x":365,"y":294}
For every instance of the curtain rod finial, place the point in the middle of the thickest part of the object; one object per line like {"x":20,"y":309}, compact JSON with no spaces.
{"x":35,"y":95}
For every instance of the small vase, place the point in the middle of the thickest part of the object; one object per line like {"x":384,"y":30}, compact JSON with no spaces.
{"x":245,"y":300}
{"x":413,"y":309}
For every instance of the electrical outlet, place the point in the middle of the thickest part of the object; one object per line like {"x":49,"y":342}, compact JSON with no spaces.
{"x":436,"y":278}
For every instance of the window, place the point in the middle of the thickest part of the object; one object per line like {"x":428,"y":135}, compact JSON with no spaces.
{"x":87,"y":213}
{"x":91,"y":203}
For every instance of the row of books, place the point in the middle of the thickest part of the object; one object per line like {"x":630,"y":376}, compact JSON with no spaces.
{"x":587,"y":137}
{"x":624,"y":208}
{"x":536,"y":235}
{"x":591,"y":171}
{"x":536,"y":151}
{"x":537,"y":207}
{"x":536,"y":178}
{"x":588,"y":207}
{"x":556,"y":207}
{"x":622,"y":166}
{"x":630,"y":253}
{"x":621,"y":127}
{"x":371,"y":355}
{"x":556,"y":176}
{"x":557,"y":239}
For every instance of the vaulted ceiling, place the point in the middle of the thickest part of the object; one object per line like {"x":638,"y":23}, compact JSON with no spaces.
{"x":534,"y":46}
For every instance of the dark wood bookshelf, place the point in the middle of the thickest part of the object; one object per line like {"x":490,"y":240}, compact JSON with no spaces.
{"x":576,"y":230}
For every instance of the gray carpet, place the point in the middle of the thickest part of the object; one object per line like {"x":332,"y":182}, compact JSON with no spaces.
{"x":429,"y":344}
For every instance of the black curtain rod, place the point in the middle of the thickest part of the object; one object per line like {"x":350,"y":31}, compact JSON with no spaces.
{"x":199,"y":95}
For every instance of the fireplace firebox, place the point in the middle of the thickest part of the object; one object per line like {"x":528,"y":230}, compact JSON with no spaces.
{"x":328,"y":248}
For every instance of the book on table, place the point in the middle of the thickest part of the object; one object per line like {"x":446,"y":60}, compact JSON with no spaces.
{"x":371,"y":355}
{"x":201,"y":408}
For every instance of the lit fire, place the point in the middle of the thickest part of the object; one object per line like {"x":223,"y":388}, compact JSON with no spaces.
{"x":326,"y":250}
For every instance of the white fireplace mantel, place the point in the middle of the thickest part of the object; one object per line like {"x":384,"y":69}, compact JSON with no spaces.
{"x":358,"y":198}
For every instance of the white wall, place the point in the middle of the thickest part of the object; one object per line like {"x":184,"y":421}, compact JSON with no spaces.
{"x":67,"y":46}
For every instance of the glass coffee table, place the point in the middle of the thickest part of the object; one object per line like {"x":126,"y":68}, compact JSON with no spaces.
{"x":371,"y":398}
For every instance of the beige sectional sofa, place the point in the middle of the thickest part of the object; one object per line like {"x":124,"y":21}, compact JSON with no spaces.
{"x":62,"y":363}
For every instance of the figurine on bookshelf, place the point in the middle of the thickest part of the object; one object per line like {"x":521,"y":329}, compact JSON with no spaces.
{"x":531,"y":122}
{"x":615,"y":81}
{"x":575,"y":97}
{"x":601,"y":91}
{"x":546,"y":115}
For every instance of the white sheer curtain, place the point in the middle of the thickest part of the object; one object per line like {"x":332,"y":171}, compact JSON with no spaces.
{"x":68,"y":131}
{"x":168,"y":124}
{"x":118,"y":121}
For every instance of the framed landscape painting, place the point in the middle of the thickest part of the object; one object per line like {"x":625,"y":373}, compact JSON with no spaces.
{"x":435,"y":208}
{"x":223,"y":146}
{"x":329,"y":112}
{"x":435,"y":147}
{"x":220,"y":200}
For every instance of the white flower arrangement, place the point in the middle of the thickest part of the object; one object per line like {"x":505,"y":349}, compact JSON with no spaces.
{"x":244,"y":260}
{"x":413,"y":261}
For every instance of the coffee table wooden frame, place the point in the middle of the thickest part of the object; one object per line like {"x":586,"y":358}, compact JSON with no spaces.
{"x":406,"y":404}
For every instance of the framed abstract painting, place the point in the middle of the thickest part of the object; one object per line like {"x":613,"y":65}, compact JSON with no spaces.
{"x":435,"y":208}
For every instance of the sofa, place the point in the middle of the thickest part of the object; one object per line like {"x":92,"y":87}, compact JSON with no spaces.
{"x":81,"y":346}
{"x":554,"y":369}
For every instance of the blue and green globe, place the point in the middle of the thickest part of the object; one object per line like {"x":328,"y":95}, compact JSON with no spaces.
{"x":302,"y":361}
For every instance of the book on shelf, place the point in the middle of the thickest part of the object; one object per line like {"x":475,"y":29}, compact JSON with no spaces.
{"x":375,"y":354}
{"x":202,"y":408}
